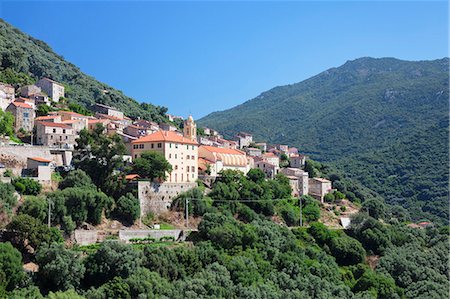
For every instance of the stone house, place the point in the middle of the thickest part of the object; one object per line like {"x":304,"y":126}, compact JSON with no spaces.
{"x":269,"y":169}
{"x":28,"y":90}
{"x":23,"y":115}
{"x":253,"y":151}
{"x":319,"y":187}
{"x":262,"y":146}
{"x":52,"y":88}
{"x":7,"y":95}
{"x":107,"y":110}
{"x":244,"y":139}
{"x":297,"y":161}
{"x":77,"y":121}
{"x":55,"y":134}
{"x":302,"y":187}
{"x":270,"y":158}
{"x":167,"y":127}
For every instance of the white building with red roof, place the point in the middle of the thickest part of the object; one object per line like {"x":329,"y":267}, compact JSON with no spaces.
{"x":223,"y":158}
{"x":180,"y":151}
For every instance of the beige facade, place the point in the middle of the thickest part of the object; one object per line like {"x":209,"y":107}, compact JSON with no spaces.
{"x":319,"y":187}
{"x":6,"y":95}
{"x":179,"y":151}
{"x":224,"y":158}
{"x":77,"y":121}
{"x":269,"y":170}
{"x":55,"y":134}
{"x":297,"y":161}
{"x":244,"y":139}
{"x":54,"y":89}
{"x":302,"y":187}
{"x":107,"y":110}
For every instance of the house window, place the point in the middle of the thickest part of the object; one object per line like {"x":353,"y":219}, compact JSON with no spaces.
{"x":187,"y":169}
{"x":66,"y":137}
{"x":192,"y":175}
{"x":193,"y":168}
{"x":187,"y":146}
{"x":51,"y":136}
{"x":170,"y":145}
{"x":159,"y":145}
{"x":135,"y":156}
{"x":54,"y":130}
{"x":175,"y":156}
{"x":64,"y":131}
{"x":176,"y":167}
{"x":153,"y":145}
{"x":170,"y":156}
{"x":187,"y":157}
{"x":141,"y":146}
{"x":192,"y":157}
{"x":192,"y":147}
{"x":26,"y":114}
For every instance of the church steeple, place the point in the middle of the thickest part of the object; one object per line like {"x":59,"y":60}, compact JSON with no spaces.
{"x":190,"y":129}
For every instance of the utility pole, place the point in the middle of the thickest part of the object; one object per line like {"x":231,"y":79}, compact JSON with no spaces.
{"x":301,"y":212}
{"x":186,"y":210}
{"x":49,"y":213}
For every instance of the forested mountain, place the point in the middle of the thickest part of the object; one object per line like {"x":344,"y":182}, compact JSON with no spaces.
{"x":25,"y":59}
{"x":382,"y":120}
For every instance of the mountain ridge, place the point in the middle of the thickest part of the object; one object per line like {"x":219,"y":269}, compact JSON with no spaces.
{"x":362,"y":107}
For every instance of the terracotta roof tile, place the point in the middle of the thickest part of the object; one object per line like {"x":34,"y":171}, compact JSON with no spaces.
{"x":50,"y":124}
{"x":165,"y":136}
{"x":222,"y":150}
{"x":21,"y":105}
{"x":39,"y":159}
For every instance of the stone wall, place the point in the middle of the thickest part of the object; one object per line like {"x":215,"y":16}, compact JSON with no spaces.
{"x":85,"y":237}
{"x":126,"y":235}
{"x":157,"y":197}
{"x":15,"y":157}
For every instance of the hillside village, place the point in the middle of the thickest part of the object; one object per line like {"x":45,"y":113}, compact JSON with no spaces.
{"x":195,"y":154}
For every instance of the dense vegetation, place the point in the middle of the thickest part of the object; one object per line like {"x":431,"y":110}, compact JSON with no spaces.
{"x":381,"y":120}
{"x":24,"y":60}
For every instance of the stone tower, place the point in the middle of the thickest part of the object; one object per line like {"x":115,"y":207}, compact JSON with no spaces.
{"x":190,"y":129}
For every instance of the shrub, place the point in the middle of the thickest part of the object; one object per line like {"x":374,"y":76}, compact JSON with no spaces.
{"x":127,"y":208}
{"x":27,"y":186}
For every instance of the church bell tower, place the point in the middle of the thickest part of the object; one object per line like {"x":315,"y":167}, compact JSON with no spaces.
{"x":190,"y":129}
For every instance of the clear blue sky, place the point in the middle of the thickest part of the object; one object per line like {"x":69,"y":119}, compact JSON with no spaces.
{"x":200,"y":57}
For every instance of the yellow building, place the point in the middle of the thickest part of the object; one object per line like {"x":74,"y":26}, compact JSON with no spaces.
{"x":180,"y":151}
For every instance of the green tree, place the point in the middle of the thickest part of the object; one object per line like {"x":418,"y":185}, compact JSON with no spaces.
{"x":347,"y":251}
{"x":110,"y":260}
{"x":59,"y":268}
{"x":100,"y":156}
{"x":152,"y":165}
{"x":6,"y":123}
{"x":34,"y":206}
{"x":375,"y":208}
{"x":256,"y":175}
{"x":382,"y":286}
{"x":27,"y":186}
{"x":8,"y":199}
{"x":24,"y":231}
{"x":76,"y":178}
{"x":81,"y":204}
{"x":10,"y":266}
{"x":127,"y":208}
